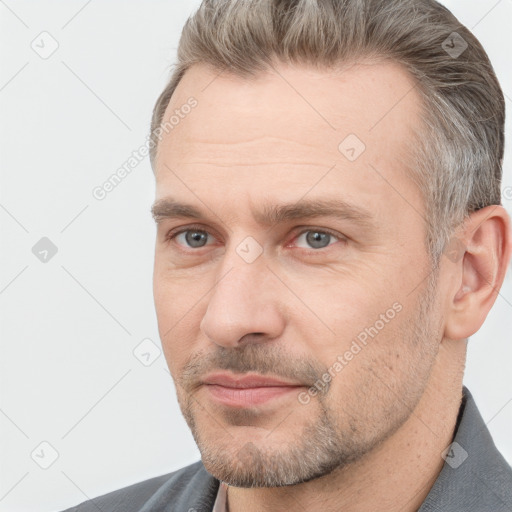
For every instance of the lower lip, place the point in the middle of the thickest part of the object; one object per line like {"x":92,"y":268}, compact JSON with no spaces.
{"x":247,"y":397}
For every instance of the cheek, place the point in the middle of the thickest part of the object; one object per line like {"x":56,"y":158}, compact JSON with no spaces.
{"x":178,"y":347}
{"x":175,"y":316}
{"x":367,"y":344}
{"x":378,"y":375}
{"x":175,"y":297}
{"x":343,"y":311}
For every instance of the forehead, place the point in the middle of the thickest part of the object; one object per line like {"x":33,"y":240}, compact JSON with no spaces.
{"x":283,"y":129}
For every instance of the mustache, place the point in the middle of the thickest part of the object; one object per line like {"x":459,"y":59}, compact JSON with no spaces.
{"x":252,"y":357}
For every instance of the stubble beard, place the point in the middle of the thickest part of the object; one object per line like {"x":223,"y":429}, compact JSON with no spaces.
{"x":321,"y":446}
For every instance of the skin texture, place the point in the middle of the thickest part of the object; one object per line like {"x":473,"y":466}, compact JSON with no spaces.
{"x":372,"y":438}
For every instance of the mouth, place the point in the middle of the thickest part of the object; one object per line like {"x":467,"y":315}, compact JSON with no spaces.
{"x":246,"y":390}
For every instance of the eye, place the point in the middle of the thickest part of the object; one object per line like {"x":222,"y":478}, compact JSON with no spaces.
{"x":193,"y":238}
{"x":317,"y":239}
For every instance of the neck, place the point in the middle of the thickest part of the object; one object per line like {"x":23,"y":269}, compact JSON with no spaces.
{"x":398,"y":474}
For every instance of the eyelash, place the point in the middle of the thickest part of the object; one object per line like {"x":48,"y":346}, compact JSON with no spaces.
{"x":171,"y":235}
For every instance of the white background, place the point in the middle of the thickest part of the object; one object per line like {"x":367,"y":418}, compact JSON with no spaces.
{"x":69,"y":326}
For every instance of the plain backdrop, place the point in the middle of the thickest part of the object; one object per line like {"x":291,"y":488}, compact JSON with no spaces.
{"x":74,"y":396}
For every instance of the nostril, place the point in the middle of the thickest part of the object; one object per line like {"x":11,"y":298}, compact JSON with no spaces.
{"x":252,"y":337}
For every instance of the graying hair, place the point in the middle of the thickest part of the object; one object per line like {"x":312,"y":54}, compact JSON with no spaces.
{"x":458,"y":151}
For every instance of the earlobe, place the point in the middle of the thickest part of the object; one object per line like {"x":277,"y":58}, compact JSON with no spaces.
{"x":485,"y":246}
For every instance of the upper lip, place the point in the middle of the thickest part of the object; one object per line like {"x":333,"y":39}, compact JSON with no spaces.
{"x":231,"y":380}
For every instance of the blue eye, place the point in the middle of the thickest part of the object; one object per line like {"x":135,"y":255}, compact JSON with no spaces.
{"x":193,"y":238}
{"x":317,"y":239}
{"x":312,"y":239}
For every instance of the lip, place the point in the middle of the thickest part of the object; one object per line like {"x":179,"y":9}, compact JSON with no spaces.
{"x":231,"y":380}
{"x":242,"y":391}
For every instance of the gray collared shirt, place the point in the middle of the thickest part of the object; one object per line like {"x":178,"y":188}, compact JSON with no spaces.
{"x":474,"y":478}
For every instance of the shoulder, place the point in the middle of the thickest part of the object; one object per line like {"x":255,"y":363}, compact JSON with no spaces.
{"x":488,"y":475}
{"x":475,"y":476}
{"x":191,"y":484}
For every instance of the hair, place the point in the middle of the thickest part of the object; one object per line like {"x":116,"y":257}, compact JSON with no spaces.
{"x":457,"y":154}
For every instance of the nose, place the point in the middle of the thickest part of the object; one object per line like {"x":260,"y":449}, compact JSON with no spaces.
{"x":244,"y":303}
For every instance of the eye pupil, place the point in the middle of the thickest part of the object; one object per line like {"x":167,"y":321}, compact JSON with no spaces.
{"x":196,"y":238}
{"x":317,"y":239}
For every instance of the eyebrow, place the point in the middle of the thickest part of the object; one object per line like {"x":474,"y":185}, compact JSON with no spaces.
{"x":169,"y":208}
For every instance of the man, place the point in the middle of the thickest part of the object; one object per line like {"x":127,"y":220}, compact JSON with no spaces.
{"x":329,"y":234}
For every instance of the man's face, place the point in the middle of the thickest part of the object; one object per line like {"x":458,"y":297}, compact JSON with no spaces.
{"x":333,"y":312}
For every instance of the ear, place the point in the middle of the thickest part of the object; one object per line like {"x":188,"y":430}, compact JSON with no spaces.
{"x":477,"y":261}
